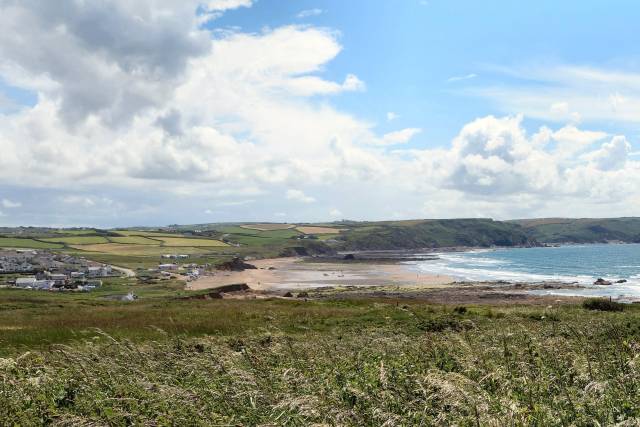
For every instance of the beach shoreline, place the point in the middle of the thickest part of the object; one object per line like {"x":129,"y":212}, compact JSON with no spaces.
{"x":283,"y":274}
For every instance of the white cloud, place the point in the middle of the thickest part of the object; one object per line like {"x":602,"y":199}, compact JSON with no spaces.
{"x":461,"y":78}
{"x":560,"y":93}
{"x":213,"y":9}
{"x":9,"y":204}
{"x":310,"y":12}
{"x":399,"y":137}
{"x":391,"y":116}
{"x":234,"y":118}
{"x":612,"y":155}
{"x":299,"y":196}
{"x":335,"y":213}
{"x":312,"y":85}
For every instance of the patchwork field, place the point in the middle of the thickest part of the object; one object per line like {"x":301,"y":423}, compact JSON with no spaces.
{"x":135,"y":250}
{"x":77,"y":240}
{"x":134,"y":240}
{"x":318,"y":230}
{"x":186,"y":241}
{"x":15,"y":242}
{"x":144,"y":233}
{"x":75,"y":231}
{"x":266,"y":227}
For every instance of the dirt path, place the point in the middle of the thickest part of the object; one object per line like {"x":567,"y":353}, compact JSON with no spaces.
{"x":127,"y":271}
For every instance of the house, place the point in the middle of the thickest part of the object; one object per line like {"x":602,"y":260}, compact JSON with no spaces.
{"x":77,"y":275}
{"x":99,"y":271}
{"x":44,"y":284}
{"x":25,"y":282}
{"x":58,"y":278}
{"x":168,"y":267}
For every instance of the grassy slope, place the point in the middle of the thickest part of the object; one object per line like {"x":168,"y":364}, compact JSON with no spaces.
{"x":367,"y":362}
{"x":583,"y":230}
{"x":13,"y":242}
{"x":432,"y":233}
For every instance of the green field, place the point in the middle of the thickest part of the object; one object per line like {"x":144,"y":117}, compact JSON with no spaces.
{"x":134,"y":240}
{"x":137,"y":250}
{"x":11,"y":242}
{"x":144,"y":233}
{"x":77,"y":240}
{"x":185,"y":241}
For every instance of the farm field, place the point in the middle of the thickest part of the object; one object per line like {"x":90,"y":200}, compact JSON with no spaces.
{"x":135,"y":250}
{"x":144,"y":233}
{"x":75,"y":231}
{"x":318,"y":230}
{"x":266,"y":227}
{"x":134,"y":240}
{"x":186,"y":241}
{"x":14,"y":242}
{"x":77,"y":240}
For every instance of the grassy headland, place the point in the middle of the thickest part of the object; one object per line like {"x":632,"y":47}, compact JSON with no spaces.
{"x":357,"y":362}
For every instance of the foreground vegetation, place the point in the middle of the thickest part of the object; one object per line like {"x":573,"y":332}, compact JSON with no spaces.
{"x":163,"y":360}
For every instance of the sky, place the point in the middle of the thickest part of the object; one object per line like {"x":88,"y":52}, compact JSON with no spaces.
{"x":154,"y":112}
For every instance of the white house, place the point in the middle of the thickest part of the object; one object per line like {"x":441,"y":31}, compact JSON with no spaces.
{"x":25,"y":282}
{"x":44,"y":284}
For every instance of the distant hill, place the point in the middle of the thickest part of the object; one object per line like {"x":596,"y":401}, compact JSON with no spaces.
{"x":582,"y":230}
{"x":438,"y":233}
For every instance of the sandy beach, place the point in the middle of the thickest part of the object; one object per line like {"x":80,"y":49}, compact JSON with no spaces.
{"x":295,"y":274}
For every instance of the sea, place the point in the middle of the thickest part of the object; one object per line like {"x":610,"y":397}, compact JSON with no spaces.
{"x":576,"y":265}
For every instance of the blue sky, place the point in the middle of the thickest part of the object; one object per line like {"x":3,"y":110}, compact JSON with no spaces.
{"x":406,"y":51}
{"x":155,"y":111}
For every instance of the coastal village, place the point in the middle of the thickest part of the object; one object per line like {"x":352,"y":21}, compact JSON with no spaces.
{"x":43,"y":270}
{"x":51,"y":271}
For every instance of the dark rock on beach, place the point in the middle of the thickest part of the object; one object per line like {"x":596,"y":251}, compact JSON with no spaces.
{"x":236,"y":264}
{"x":602,"y":282}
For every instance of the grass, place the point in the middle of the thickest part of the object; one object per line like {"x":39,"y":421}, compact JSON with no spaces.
{"x":268,"y":226}
{"x":360,"y":363}
{"x":317,"y":230}
{"x":134,"y":240}
{"x":184,"y":241}
{"x":77,"y":240}
{"x":602,"y":304}
{"x":16,"y":242}
{"x":135,"y":250}
{"x":144,"y":233}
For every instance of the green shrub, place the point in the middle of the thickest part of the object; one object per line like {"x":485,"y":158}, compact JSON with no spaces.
{"x":602,"y":304}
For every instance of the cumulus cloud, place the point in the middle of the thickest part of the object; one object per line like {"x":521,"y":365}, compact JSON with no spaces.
{"x":108,"y":60}
{"x":138,"y":97}
{"x":299,"y":196}
{"x":391,"y":116}
{"x":612,"y":155}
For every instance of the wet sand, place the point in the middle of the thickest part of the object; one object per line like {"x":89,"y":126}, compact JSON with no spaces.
{"x":295,"y":274}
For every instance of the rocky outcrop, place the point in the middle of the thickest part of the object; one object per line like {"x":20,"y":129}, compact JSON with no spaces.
{"x":602,"y":282}
{"x":235,"y":264}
